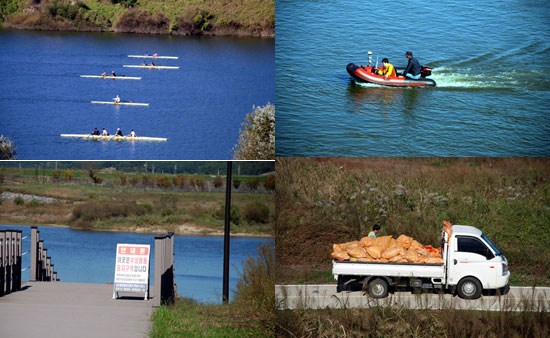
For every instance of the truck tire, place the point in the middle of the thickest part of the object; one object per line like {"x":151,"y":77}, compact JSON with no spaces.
{"x":378,"y":288}
{"x":469,"y":288}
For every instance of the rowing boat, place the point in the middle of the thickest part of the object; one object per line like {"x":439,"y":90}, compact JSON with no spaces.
{"x":152,"y":67}
{"x":154,"y":57}
{"x":115,"y":138}
{"x":112,"y":77}
{"x":121,"y":103}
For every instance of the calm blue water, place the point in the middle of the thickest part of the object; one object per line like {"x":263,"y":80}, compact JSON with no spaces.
{"x":492,"y":67}
{"x":199,"y":107}
{"x":89,"y":257}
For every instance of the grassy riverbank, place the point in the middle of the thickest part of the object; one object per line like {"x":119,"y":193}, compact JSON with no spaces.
{"x":401,"y":322}
{"x":326,"y":201}
{"x":152,"y":204}
{"x":251,"y":314}
{"x":179,"y":17}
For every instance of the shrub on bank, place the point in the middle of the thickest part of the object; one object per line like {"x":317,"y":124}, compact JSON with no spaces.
{"x":256,"y":213}
{"x":18,"y":200}
{"x":257,"y":138}
{"x":92,"y":211}
{"x":7,"y":148}
{"x":234,"y":214}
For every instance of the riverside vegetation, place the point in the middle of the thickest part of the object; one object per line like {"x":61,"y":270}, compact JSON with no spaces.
{"x":179,"y":17}
{"x":135,"y":202}
{"x":250,"y":314}
{"x":257,"y":138}
{"x":324,"y":201}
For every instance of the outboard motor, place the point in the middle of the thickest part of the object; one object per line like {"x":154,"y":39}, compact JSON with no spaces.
{"x":425,"y":71}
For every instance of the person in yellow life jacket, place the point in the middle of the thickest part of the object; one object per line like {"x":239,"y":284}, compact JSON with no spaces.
{"x":375,"y":230}
{"x":388,"y":69}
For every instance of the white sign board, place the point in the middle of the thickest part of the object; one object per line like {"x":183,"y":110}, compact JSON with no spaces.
{"x":132,"y":269}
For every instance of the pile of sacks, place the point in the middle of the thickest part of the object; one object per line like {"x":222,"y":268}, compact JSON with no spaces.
{"x":404,"y":249}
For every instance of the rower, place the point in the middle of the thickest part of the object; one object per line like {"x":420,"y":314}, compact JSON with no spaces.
{"x":118,"y":132}
{"x":104,"y":74}
{"x":113,"y":74}
{"x":155,"y":55}
{"x":143,"y":64}
{"x":117,"y":99}
{"x":152,"y":64}
{"x":104,"y":132}
{"x":95,"y":132}
{"x":147,"y":53}
{"x":132,"y":133}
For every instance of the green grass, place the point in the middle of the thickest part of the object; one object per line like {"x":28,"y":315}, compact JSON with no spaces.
{"x":187,"y":318}
{"x":250,"y":314}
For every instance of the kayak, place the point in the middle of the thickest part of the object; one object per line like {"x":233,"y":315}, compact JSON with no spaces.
{"x":366,"y":74}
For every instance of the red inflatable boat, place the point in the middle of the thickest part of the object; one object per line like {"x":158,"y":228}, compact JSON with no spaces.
{"x":367,"y":74}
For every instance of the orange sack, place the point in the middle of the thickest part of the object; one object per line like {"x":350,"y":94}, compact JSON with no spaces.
{"x":367,"y":241}
{"x":434,"y":260}
{"x":404,"y":241}
{"x":340,"y":255}
{"x":383,"y":242}
{"x":375,"y":251}
{"x":357,"y":252}
{"x":412,"y":256}
{"x":391,"y":252}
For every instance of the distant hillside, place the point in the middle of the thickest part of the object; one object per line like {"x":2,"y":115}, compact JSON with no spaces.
{"x":178,"y":17}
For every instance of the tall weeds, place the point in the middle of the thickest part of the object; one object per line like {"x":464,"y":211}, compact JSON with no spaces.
{"x":324,"y":201}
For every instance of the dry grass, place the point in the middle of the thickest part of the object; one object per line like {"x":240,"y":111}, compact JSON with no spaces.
{"x":381,"y":321}
{"x":322,"y":201}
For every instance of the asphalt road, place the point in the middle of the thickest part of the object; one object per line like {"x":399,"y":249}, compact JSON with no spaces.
{"x":323,"y":296}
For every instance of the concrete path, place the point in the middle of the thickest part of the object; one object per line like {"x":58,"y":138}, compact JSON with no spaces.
{"x":322,"y":296}
{"x":44,"y":309}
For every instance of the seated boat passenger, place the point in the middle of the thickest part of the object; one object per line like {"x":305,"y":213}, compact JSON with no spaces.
{"x":387,"y":70}
{"x":95,"y":132}
{"x":152,"y":64}
{"x":155,"y":55}
{"x":118,"y":132}
{"x":104,"y":132}
{"x":132,"y":133}
{"x":412,"y":71}
{"x":104,"y":74}
{"x":116,"y":99}
{"x":113,"y":74}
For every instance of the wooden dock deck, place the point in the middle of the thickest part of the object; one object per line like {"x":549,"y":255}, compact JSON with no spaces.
{"x":72,"y":310}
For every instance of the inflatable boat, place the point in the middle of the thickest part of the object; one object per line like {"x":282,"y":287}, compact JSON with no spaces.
{"x":367,"y":74}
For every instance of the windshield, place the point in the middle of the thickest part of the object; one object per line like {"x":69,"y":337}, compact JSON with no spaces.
{"x":494,"y":247}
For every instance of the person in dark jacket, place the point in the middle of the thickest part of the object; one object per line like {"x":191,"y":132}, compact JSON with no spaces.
{"x":413,"y":67}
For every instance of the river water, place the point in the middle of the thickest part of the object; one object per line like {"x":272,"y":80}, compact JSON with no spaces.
{"x":199,"y":107}
{"x":491,"y":63}
{"x":89,"y":257}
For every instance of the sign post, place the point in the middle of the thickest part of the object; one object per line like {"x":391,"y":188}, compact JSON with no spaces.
{"x":132,"y":269}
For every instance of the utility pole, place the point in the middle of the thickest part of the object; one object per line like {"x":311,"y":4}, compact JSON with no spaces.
{"x":226,"y":234}
{"x":145,"y":180}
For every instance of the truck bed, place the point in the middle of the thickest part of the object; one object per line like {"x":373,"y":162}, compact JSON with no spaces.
{"x":388,"y":269}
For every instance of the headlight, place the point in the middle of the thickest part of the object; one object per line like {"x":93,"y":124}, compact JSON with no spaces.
{"x":504,"y":269}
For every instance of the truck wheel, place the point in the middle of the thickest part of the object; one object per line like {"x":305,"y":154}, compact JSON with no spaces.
{"x":469,"y":288}
{"x":378,"y":288}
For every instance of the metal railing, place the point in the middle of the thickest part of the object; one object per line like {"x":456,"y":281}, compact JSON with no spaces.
{"x":10,"y":261}
{"x":41,"y":268}
{"x":41,"y":264}
{"x":163,"y":290}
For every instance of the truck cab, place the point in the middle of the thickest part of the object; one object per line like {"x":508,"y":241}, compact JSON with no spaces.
{"x":473,"y":262}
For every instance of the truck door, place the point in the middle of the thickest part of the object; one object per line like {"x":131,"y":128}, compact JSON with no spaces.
{"x":471,"y":257}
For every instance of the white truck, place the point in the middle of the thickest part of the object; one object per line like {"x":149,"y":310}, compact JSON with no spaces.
{"x":471,"y":264}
